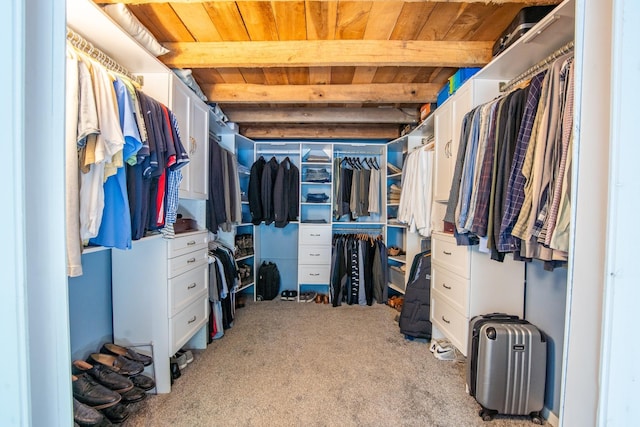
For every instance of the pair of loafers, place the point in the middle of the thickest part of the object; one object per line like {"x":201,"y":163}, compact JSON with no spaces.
{"x":119,"y":364}
{"x":126,"y":352}
{"x":86,"y":416}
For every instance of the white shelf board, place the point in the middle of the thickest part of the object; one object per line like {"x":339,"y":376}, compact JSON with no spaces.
{"x":551,"y":33}
{"x":87,"y":19}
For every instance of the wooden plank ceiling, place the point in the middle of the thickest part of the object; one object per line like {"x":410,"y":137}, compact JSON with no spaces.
{"x":325,"y":68}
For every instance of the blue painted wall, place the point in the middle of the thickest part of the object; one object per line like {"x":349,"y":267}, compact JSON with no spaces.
{"x":90,"y":305}
{"x":545,"y":307}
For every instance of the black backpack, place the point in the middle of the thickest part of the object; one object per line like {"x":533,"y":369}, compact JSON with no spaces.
{"x":414,"y":318}
{"x":268,"y":285}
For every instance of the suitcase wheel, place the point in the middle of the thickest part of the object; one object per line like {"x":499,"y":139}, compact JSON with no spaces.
{"x":487,"y":414}
{"x":536,"y":418}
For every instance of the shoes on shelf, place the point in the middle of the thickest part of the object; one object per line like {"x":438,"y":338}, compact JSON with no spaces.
{"x":143,"y":382}
{"x":117,"y":413}
{"x":134,"y":395}
{"x":86,"y":390}
{"x":393,"y":251}
{"x":103,"y":375}
{"x":85,"y":415}
{"x":180,"y":359}
{"x":120,"y":364}
{"x":127,"y":352}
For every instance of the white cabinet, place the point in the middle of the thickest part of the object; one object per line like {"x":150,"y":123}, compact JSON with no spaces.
{"x":160,"y":297}
{"x":466,"y":283}
{"x":448,"y":126}
{"x":445,"y":159}
{"x":193,"y":119}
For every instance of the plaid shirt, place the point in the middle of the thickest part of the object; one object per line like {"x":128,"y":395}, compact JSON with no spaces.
{"x":515,"y":187}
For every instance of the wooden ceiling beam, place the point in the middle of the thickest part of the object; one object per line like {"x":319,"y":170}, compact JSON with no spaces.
{"x":407,"y":93}
{"x":496,"y":2}
{"x":328,"y":53}
{"x":372,"y":115}
{"x":327,"y":131}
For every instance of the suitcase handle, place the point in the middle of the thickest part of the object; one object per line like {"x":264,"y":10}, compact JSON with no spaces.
{"x":500,"y":316}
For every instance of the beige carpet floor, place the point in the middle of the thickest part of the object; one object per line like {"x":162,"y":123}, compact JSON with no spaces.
{"x":305,"y":364}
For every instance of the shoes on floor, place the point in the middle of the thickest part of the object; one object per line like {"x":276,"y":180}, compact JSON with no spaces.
{"x":117,"y":414}
{"x":175,"y":370}
{"x":120,"y":364}
{"x":143,"y":382}
{"x":187,"y":353}
{"x":127,"y":352}
{"x":103,"y":375}
{"x":86,"y":390}
{"x":308,"y":296}
{"x":288,"y":295}
{"x":85,"y":415}
{"x":439,"y":343}
{"x":319,"y":298}
{"x":326,"y":299}
{"x":180,"y":359}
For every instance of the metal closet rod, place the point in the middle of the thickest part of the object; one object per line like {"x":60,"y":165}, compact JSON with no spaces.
{"x":351,"y":153}
{"x":85,"y":46}
{"x":538,"y":67}
{"x":352,"y":228}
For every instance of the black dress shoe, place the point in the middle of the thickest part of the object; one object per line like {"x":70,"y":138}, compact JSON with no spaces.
{"x":143,"y":382}
{"x":130,"y":354}
{"x":84,"y":415}
{"x":89,"y":392}
{"x":104,"y":375}
{"x":134,"y":395}
{"x":117,"y":413}
{"x":120,"y":364}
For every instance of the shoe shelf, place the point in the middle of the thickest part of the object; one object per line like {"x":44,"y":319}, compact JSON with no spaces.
{"x":242,"y":258}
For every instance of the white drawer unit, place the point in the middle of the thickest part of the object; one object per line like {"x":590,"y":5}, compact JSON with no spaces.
{"x":451,"y":323}
{"x":160,"y":297}
{"x":452,"y":257}
{"x":314,"y":274}
{"x":186,"y":323}
{"x":187,"y":287}
{"x":466,"y":283}
{"x":451,"y":287}
{"x":314,"y":235}
{"x":314,"y":255}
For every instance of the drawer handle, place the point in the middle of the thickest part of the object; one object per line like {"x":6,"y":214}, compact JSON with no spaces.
{"x":314,"y":254}
{"x":191,"y":286}
{"x":314,"y":274}
{"x":446,"y":253}
{"x":191,"y":260}
{"x":191,"y":243}
{"x":191,"y":320}
{"x":444,"y":285}
{"x":445,"y":320}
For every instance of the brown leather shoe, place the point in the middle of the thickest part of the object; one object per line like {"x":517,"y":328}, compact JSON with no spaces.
{"x":319,"y":298}
{"x":326,"y":299}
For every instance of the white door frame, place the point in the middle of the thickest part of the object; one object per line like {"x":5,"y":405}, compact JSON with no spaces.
{"x":36,"y":381}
